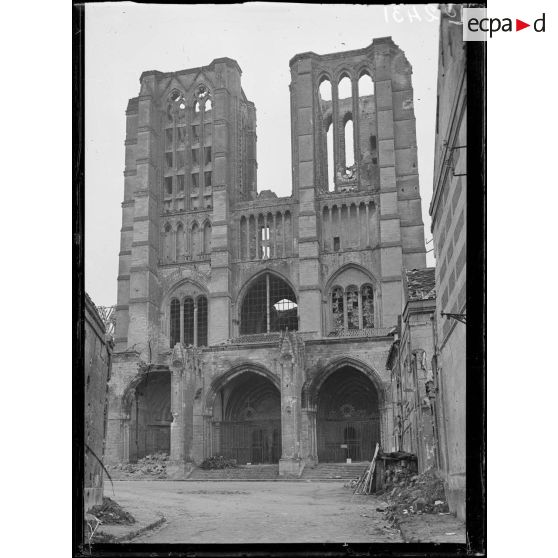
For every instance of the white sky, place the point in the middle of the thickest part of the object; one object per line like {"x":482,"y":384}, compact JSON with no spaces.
{"x":123,"y":39}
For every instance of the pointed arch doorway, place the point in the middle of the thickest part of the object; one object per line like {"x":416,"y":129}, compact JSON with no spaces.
{"x":247,"y":420}
{"x":348,"y":418}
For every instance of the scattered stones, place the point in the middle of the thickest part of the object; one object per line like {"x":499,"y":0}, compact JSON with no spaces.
{"x":111,"y":513}
{"x":153,"y":465}
{"x":418,"y":494}
{"x":219,"y":462}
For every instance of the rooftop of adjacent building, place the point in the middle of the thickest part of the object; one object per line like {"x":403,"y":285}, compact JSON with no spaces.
{"x":421,"y":283}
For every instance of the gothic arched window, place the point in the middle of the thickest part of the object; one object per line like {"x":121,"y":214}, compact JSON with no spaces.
{"x":269,"y":305}
{"x":174,"y":322}
{"x":180,"y":251}
{"x":202,"y":321}
{"x":188,"y":321}
{"x":207,"y":238}
{"x":167,"y":243}
{"x":352,"y":307}
{"x":195,"y":241}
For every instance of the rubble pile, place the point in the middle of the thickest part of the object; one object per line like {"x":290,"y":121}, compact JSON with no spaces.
{"x":415,"y":494}
{"x":219,"y":462}
{"x":111,"y":513}
{"x":153,"y":465}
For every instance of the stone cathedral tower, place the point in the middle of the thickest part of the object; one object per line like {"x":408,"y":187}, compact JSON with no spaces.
{"x":251,"y":325}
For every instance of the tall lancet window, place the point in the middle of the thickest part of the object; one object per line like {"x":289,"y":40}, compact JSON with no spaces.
{"x":174,"y":152}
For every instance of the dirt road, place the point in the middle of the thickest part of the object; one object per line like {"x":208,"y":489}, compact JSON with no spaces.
{"x":263,"y":512}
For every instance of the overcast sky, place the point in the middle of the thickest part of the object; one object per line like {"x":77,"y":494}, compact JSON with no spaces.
{"x":124,"y":39}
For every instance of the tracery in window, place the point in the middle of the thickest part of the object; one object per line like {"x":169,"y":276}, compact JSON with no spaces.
{"x":192,"y":310}
{"x":352,"y":308}
{"x":188,"y":321}
{"x":174,"y":322}
{"x":367,"y":306}
{"x":337,"y":308}
{"x":269,"y":305}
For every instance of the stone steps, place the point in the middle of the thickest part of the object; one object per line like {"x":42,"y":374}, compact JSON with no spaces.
{"x":323,"y":471}
{"x":246,"y":472}
{"x":339,"y":471}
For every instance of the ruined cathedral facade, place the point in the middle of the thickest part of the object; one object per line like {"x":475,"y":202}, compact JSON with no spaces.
{"x":254,"y":326}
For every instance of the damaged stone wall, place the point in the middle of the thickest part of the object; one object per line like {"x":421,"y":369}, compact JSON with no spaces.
{"x":413,"y":382}
{"x":360,"y":235}
{"x":97,"y":359}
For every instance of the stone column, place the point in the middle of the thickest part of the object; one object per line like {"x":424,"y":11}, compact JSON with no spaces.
{"x":177,"y":411}
{"x":267,"y":303}
{"x":337,"y":155}
{"x":283,"y":243}
{"x":274,"y":235}
{"x":367,"y":226}
{"x":290,"y":462}
{"x":258,"y":237}
{"x":195,"y":323}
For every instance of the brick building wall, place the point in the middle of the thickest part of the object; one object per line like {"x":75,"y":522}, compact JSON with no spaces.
{"x":449,"y":215}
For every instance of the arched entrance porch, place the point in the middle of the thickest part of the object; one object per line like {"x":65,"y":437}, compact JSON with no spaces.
{"x":348,"y":417}
{"x":147,"y":403}
{"x":246,"y":423}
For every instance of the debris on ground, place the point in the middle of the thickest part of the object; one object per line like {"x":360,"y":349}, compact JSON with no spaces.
{"x":218,"y":462}
{"x":111,"y":513}
{"x":416,"y":494}
{"x":153,"y":465}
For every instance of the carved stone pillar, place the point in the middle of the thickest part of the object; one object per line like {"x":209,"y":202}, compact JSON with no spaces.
{"x":195,"y":323}
{"x":177,"y":406}
{"x":274,"y":235}
{"x":177,"y":411}
{"x":291,"y":418}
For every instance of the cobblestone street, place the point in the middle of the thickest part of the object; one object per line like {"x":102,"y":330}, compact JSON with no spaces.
{"x":263,"y":512}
